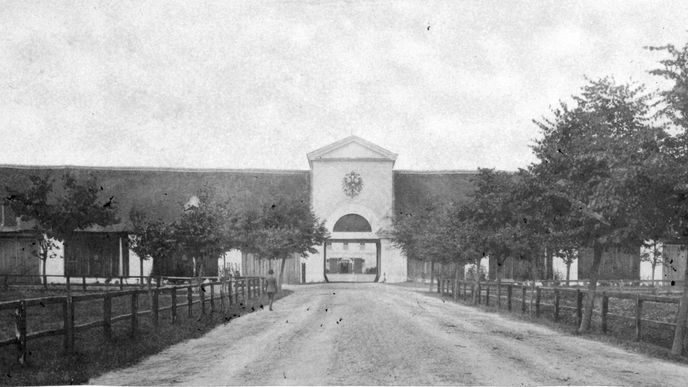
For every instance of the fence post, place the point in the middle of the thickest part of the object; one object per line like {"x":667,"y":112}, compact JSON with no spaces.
{"x":156,"y":308}
{"x":465,"y":291}
{"x":523,"y":298}
{"x":638,"y":314}
{"x":222,"y":295}
{"x":121,"y":283}
{"x":107,"y":317}
{"x":499,"y":295}
{"x":134,"y":312}
{"x":509,"y":292}
{"x":173,"y":310}
{"x":605,"y":310}
{"x":229,"y":294}
{"x":212,"y":297}
{"x":189,"y":300}
{"x":202,"y":295}
{"x":579,"y":306}
{"x":556,"y":304}
{"x":20,"y":331}
{"x":487,"y":294}
{"x":83,"y":283}
{"x":68,"y":323}
{"x":538,"y":294}
{"x":243,"y":291}
{"x":68,"y":284}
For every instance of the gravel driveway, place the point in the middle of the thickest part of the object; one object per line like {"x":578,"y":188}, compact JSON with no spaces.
{"x":366,"y":334}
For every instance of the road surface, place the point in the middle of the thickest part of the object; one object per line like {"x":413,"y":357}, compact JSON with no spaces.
{"x":366,"y":334}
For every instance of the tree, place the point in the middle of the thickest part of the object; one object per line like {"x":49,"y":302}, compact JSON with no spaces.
{"x":465,"y":240}
{"x":568,"y":255}
{"x":493,"y":215}
{"x":281,"y":229}
{"x":154,"y":239}
{"x":599,"y":159}
{"x":425,"y":235}
{"x":675,"y":108}
{"x":204,"y":230}
{"x":59,"y":214}
{"x":653,"y":256}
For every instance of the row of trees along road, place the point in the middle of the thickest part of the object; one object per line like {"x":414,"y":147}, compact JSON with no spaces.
{"x":204,"y":230}
{"x":611,"y":173}
{"x":210,"y":227}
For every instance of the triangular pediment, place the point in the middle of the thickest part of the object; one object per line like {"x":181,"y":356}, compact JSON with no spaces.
{"x":352,"y":147}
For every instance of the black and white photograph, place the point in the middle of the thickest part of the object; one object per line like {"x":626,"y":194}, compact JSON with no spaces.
{"x":344,"y":192}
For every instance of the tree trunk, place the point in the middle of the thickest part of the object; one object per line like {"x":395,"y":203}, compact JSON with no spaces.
{"x":592,"y":287}
{"x":44,"y":245}
{"x":568,"y":272}
{"x":45,"y":276}
{"x":281,"y":276}
{"x":498,"y":276}
{"x":654,"y":264}
{"x":456,"y":282}
{"x":533,"y":275}
{"x":432,"y":274}
{"x":476,"y":293}
{"x":679,"y":332}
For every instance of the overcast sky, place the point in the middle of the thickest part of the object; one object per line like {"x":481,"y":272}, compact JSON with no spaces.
{"x":257,"y":84}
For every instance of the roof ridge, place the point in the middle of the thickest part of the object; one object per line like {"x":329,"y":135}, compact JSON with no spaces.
{"x":161,"y":169}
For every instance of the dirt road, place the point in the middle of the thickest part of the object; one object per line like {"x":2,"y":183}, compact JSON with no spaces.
{"x":382,"y":334}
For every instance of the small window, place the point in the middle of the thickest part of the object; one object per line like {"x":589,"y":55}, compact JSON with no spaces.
{"x":346,"y":245}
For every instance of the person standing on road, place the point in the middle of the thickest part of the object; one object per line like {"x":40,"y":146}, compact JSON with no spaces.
{"x":271,"y":286}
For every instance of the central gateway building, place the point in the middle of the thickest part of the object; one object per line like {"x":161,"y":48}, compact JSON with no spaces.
{"x":352,"y":191}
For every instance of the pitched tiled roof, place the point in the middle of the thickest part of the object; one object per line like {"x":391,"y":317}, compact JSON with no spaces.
{"x":162,"y":193}
{"x":415,"y":189}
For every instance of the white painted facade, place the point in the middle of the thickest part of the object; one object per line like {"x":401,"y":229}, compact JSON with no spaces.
{"x":375,"y":201}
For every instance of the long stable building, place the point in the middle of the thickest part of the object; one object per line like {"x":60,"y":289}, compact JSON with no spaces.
{"x":351,"y":185}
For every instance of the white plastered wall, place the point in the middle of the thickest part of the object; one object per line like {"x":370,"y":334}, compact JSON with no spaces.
{"x":393,"y":263}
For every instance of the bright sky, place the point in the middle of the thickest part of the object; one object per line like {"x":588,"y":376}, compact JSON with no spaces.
{"x":257,"y":84}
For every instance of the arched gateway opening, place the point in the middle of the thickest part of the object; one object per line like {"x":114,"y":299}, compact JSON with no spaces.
{"x":349,"y":257}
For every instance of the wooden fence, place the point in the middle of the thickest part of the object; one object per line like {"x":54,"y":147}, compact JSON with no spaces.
{"x":535,"y":299}
{"x":92,"y":283}
{"x":227,"y":292}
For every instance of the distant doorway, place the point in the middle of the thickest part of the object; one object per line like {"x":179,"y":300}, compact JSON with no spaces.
{"x":352,"y":260}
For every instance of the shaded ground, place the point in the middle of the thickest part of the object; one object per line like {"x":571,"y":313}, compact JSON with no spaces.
{"x":381,"y":334}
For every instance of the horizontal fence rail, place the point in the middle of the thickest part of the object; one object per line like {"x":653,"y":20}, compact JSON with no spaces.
{"x":212,"y":296}
{"x":566,"y":303}
{"x":85,"y":283}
